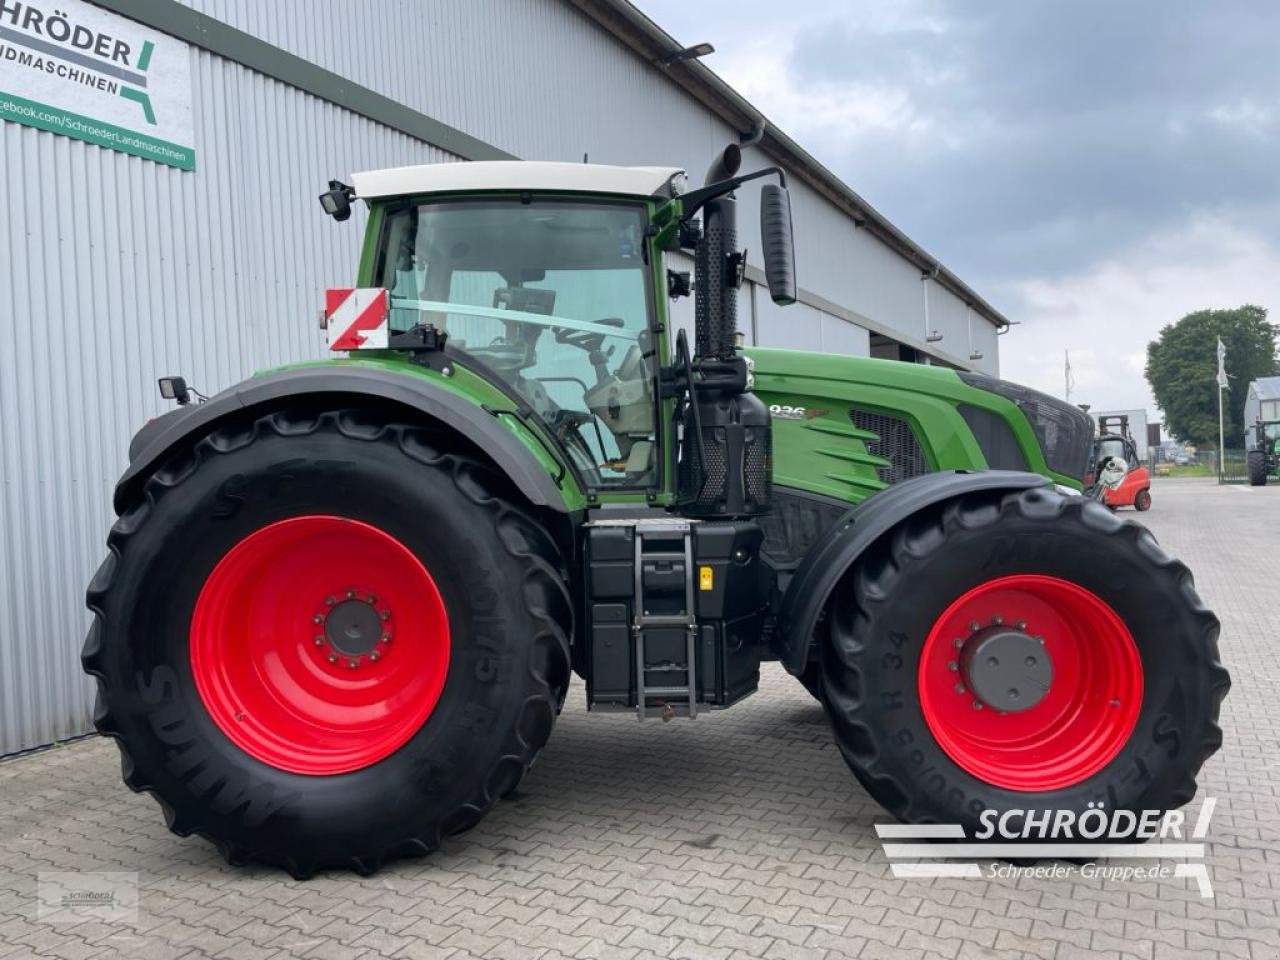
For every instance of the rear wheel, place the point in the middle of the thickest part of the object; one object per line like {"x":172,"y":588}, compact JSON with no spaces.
{"x":1023,"y":651}
{"x":325,"y":641}
{"x":1257,"y":468}
{"x":1142,"y":501}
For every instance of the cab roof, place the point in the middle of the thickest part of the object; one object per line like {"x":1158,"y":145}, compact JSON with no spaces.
{"x":519,"y":175}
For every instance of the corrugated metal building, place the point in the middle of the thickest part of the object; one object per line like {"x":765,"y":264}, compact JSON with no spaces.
{"x":118,"y":270}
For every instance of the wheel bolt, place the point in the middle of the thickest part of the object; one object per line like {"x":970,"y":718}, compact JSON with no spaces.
{"x":386,"y":638}
{"x":1013,"y":693}
{"x":1021,"y":624}
{"x":977,"y":704}
{"x":374,"y":656}
{"x":992,"y":662}
{"x":974,"y":626}
{"x":333,"y":658}
{"x":331,"y":600}
{"x":997,"y":620}
{"x":317,"y":619}
{"x":385,"y":614}
{"x":958,"y":643}
{"x":351,"y":594}
{"x":372,"y":598}
{"x":353,"y":664}
{"x":959,"y":688}
{"x":953,"y":666}
{"x":319,"y":641}
{"x":1031,"y":661}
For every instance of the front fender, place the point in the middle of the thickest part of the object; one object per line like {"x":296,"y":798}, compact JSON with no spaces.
{"x":833,"y":555}
{"x":179,"y":429}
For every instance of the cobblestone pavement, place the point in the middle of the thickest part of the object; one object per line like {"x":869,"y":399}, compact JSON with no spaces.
{"x":737,"y":835}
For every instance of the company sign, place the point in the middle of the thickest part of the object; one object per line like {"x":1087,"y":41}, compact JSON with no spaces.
{"x":74,"y":69}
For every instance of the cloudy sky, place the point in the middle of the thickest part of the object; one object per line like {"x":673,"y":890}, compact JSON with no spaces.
{"x":1095,"y":169}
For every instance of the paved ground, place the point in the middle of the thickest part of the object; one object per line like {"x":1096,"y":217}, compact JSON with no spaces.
{"x":738,"y":835}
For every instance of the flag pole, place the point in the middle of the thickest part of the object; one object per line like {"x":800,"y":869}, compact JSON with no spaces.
{"x":1222,"y":385}
{"x":1222,"y":450}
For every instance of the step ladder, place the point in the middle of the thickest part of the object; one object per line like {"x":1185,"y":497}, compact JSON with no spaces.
{"x":665,"y":530}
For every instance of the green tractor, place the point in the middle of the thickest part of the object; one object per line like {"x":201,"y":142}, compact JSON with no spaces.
{"x":344,"y":600}
{"x":1262,"y":432}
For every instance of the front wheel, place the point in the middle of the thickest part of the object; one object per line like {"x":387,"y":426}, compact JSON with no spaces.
{"x":1257,"y":463}
{"x":1142,"y":502}
{"x":1022,"y":651}
{"x":327,"y":641}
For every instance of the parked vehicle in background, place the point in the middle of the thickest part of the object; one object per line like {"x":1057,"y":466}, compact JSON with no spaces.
{"x":1262,"y":430}
{"x":1118,"y":478}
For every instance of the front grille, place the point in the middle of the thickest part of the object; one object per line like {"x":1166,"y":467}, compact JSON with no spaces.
{"x":995,"y":438}
{"x":1065,"y":432}
{"x":897,"y":444}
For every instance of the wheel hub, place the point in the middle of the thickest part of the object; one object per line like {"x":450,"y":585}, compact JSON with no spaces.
{"x":1006,"y":668}
{"x":353,"y":627}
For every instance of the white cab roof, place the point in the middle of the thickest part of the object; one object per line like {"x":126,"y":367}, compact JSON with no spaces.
{"x":515,"y":175}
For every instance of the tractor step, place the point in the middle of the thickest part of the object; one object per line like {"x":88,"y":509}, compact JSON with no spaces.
{"x":673,"y":614}
{"x":663,"y":571}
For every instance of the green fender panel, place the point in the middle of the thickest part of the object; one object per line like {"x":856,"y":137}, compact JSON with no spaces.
{"x":180,"y":428}
{"x":827,"y":561}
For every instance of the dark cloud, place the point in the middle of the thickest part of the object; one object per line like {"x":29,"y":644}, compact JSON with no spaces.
{"x":1049,"y":133}
{"x":1096,"y":168}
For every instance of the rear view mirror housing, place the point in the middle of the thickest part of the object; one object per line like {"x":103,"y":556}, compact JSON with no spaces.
{"x":777,"y":243}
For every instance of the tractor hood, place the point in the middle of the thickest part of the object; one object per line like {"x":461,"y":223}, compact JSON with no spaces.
{"x":848,"y":426}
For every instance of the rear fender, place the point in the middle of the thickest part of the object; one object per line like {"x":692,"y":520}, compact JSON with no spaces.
{"x":839,"y":549}
{"x":179,"y":429}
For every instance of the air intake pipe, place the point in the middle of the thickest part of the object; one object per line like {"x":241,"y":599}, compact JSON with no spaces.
{"x":726,"y":453}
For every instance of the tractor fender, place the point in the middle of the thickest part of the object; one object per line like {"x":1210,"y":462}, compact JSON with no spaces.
{"x":178,"y":429}
{"x":841,"y":546}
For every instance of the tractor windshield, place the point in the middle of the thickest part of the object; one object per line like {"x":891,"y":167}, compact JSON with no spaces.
{"x":552,"y":299}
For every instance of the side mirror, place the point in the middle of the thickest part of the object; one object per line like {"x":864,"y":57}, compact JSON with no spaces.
{"x":777,"y":243}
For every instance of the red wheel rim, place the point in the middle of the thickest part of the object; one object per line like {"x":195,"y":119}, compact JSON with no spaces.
{"x":319,"y":645}
{"x":1084,"y":717}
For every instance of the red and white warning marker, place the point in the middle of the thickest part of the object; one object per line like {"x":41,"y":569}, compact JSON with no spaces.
{"x":356,"y":318}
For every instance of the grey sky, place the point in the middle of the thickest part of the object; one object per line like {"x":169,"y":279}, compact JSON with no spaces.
{"x":1096,"y":169}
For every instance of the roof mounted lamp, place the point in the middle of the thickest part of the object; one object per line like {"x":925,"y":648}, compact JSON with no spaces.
{"x":336,"y":201}
{"x":695,"y":52}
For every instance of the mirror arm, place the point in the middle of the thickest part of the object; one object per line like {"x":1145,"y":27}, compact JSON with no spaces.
{"x":694,"y":200}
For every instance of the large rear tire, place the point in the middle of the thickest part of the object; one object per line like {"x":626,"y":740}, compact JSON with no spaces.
{"x":1257,"y":468}
{"x":322,"y":640}
{"x":1126,"y":714}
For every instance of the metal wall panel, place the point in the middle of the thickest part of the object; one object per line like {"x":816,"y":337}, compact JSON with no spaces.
{"x":117,"y":271}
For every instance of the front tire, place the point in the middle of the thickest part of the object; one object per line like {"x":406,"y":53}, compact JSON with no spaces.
{"x":1127,"y":710}
{"x":1142,"y":502}
{"x":322,"y":640}
{"x":1257,"y":468}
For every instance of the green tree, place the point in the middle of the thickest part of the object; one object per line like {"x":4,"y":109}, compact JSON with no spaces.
{"x":1182,"y":368}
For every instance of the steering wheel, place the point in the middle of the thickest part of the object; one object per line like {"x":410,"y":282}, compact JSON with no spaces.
{"x":593,"y":343}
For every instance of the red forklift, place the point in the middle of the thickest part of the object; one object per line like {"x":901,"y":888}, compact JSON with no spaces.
{"x":1117,"y":477}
